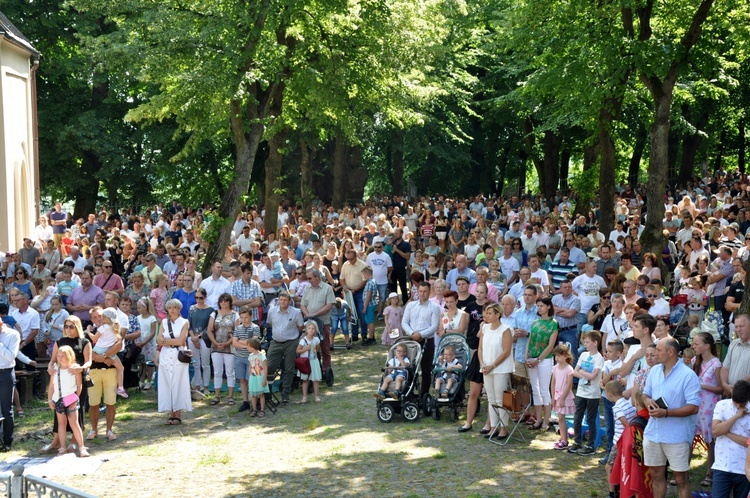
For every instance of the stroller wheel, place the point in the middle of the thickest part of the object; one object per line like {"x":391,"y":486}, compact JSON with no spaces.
{"x":329,"y":376}
{"x":427,"y":404}
{"x":410,"y":411}
{"x":454,"y":413}
{"x":385,"y":413}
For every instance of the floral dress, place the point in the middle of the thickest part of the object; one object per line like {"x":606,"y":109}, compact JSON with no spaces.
{"x":708,"y":399}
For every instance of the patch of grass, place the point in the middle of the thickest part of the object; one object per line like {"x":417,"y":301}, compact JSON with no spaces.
{"x":439,"y":455}
{"x":212,"y":458}
{"x":312,"y":424}
{"x":124,"y":417}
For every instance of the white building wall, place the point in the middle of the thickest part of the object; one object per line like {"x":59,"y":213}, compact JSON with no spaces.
{"x":17,"y":173}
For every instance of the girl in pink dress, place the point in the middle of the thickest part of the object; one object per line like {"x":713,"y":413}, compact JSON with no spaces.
{"x":393,"y":314}
{"x":705,"y":364}
{"x":563,"y":401}
{"x":159,"y":296}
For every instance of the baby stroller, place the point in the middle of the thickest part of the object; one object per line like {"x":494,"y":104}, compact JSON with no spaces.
{"x":452,"y":398}
{"x":406,"y":401}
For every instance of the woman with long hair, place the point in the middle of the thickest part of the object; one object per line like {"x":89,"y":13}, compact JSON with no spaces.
{"x":705,"y":366}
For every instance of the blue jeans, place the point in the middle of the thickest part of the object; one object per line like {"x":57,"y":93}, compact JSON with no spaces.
{"x":339,"y":322}
{"x":726,"y":484}
{"x":359,"y":303}
{"x":609,"y":419}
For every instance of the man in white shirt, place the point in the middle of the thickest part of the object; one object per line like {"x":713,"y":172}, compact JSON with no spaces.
{"x":529,"y":240}
{"x":587,"y":287}
{"x":215,"y":285}
{"x":659,"y":305}
{"x":245,"y":239}
{"x":538,"y":273}
{"x":190,"y":242}
{"x":42,"y":233}
{"x":382,"y":266}
{"x":9,"y":347}
{"x":508,"y":264}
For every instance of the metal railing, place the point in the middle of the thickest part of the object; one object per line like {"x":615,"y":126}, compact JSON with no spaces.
{"x":20,"y":486}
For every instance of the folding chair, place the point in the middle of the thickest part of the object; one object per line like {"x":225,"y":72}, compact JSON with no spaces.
{"x":274,"y":386}
{"x":515,"y":403}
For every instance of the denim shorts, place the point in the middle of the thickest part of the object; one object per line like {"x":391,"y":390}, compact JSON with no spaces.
{"x":241,"y":368}
{"x":370,"y":314}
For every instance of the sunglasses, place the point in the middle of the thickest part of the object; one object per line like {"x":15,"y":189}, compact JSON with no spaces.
{"x":106,"y":266}
{"x":298,"y":273}
{"x":606,"y":297}
{"x":69,"y":326}
{"x":651,"y":295}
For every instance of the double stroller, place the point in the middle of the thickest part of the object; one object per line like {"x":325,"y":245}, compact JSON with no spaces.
{"x":400,"y":396}
{"x":452,"y":348}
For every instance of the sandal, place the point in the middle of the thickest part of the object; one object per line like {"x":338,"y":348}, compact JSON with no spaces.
{"x":62,"y":451}
{"x":83,"y":452}
{"x":47,"y":448}
{"x":303,"y":401}
{"x":169,"y":421}
{"x":254,"y":413}
{"x":317,"y":399}
{"x":176,"y":421}
{"x":215,"y":401}
{"x":535,"y":427}
{"x":531,"y":421}
{"x":261,"y":414}
{"x":230,"y":402}
{"x":545,"y":427}
{"x":91,"y":435}
{"x":707,"y":481}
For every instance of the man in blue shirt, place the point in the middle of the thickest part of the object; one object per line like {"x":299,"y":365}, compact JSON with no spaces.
{"x":524,"y":317}
{"x":462,"y":269}
{"x":672,"y":398}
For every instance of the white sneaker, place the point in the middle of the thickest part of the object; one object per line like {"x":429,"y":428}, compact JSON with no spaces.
{"x":146,"y":386}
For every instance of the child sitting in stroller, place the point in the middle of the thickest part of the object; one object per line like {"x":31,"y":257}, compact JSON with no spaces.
{"x":445,"y":382}
{"x":397,"y":366}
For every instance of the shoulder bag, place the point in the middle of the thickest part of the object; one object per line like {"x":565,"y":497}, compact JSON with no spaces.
{"x":183,"y":355}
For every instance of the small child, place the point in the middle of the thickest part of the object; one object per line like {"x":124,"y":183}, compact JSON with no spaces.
{"x":589,"y":370}
{"x":159,"y":295}
{"x":563,"y":401}
{"x":393,"y":313}
{"x":341,"y":313}
{"x":684,"y":281}
{"x":66,"y":284}
{"x":687,"y":356}
{"x":497,"y":280}
{"x":614,"y":361}
{"x":105,"y":337}
{"x":66,"y":385}
{"x":257,"y":382}
{"x":277,"y":269}
{"x":310,"y":346}
{"x":395,"y":370}
{"x":624,"y":412}
{"x":445,"y":382}
{"x":370,"y":304}
{"x":43,"y":301}
{"x":693,"y":325}
{"x":697,"y":297}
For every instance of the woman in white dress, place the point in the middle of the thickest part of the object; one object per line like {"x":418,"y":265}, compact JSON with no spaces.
{"x":496,"y":362}
{"x":174,"y":377}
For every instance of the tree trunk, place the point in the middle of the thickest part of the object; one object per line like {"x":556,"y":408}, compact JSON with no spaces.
{"x":339,"y":172}
{"x":273,"y":176}
{"x":607,"y":166}
{"x":673,"y":149}
{"x":306,"y":178}
{"x":247,"y":133}
{"x":529,"y":142}
{"x":551,"y":179}
{"x":564,"y":169}
{"x":720,"y":151}
{"x":397,"y":166}
{"x":634,"y":168}
{"x":652,"y":237}
{"x":584,"y":198}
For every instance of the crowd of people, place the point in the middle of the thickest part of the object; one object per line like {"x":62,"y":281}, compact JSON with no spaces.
{"x":538,"y":291}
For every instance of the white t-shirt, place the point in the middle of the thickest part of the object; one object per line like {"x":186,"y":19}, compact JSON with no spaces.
{"x":587,"y":289}
{"x":590,"y":389}
{"x":637,"y":367}
{"x":508,"y":266}
{"x":541,"y":275}
{"x":380,"y":264}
